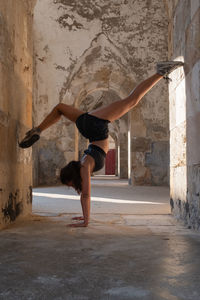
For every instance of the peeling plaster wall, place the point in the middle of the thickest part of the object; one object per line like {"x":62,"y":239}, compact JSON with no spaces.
{"x":184,"y":92}
{"x":85,"y":46}
{"x":15,"y":108}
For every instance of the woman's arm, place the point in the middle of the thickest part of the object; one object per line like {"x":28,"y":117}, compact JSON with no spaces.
{"x":85,"y":197}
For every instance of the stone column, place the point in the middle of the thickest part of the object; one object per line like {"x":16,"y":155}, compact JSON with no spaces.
{"x":184,"y":94}
{"x":123,"y":142}
{"x":15,"y":108}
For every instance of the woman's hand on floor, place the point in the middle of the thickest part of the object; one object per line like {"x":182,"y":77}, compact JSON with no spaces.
{"x":78,"y":218}
{"x":82,"y":224}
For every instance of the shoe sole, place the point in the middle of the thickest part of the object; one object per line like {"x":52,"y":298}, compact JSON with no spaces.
{"x":173,"y":63}
{"x":30,"y":142}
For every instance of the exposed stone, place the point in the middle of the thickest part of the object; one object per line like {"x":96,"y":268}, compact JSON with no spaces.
{"x":141,"y":176}
{"x":193,"y":196}
{"x":138,"y":159}
{"x":123,"y":143}
{"x":192,"y":43}
{"x":141,"y":144}
{"x":193,"y":91}
{"x":50,"y":158}
{"x":181,"y":21}
{"x":158,"y":162}
{"x":138,"y":127}
{"x":156,"y":131}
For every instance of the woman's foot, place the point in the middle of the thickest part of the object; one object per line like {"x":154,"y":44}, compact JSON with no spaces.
{"x":164,"y":68}
{"x":31,"y":137}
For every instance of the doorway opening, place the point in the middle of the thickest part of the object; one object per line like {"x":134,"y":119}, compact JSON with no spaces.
{"x":111,"y":158}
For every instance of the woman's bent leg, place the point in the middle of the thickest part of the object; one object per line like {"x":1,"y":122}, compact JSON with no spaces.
{"x":33,"y":135}
{"x":117,"y":109}
{"x":68,"y":111}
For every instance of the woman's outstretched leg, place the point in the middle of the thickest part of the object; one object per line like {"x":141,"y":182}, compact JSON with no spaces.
{"x":117,"y":109}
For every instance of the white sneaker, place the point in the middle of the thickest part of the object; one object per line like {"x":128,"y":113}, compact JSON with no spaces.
{"x":164,"y":68}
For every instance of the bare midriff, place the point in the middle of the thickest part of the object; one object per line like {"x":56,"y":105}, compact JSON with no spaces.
{"x":103,"y":144}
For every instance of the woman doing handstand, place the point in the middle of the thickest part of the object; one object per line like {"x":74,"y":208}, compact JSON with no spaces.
{"x":94,"y":126}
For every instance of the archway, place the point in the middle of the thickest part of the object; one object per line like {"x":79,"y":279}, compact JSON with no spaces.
{"x":118,"y":130}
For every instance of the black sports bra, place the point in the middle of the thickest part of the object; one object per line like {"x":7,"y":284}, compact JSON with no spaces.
{"x":98,"y":154}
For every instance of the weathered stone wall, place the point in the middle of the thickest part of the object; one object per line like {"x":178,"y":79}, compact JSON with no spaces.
{"x":82,"y":47}
{"x":184,"y":94}
{"x":15,"y":108}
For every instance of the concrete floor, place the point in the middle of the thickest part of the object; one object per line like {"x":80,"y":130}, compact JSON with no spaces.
{"x":119,"y":256}
{"x":110,"y":196}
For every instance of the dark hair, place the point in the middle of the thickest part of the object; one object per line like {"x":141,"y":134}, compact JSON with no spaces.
{"x":71,"y":172}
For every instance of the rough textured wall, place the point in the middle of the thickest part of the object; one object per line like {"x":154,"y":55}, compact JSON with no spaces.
{"x":15,"y":108}
{"x":85,"y":46}
{"x":184,"y":93}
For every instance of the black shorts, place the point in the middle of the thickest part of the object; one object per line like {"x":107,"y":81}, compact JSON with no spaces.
{"x":92,"y":128}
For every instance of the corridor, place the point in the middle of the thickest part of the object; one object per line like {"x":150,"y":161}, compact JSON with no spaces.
{"x":132,"y":249}
{"x":87,"y":55}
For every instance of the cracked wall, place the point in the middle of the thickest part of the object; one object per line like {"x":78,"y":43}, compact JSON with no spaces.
{"x":82,"y":47}
{"x":184,"y":93}
{"x":15,"y":108}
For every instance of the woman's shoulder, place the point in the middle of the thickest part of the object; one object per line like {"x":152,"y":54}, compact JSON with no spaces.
{"x":87,"y":163}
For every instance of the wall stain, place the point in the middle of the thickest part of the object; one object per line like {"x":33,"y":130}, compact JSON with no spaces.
{"x":178,"y":203}
{"x":59,"y":67}
{"x":29,"y":195}
{"x":187,"y":207}
{"x":95,"y":53}
{"x":46,"y":48}
{"x":43,"y":99}
{"x":12,"y":208}
{"x":88,"y":9}
{"x":172,"y":204}
{"x":66,"y":21}
{"x":26,"y":68}
{"x":42,"y":59}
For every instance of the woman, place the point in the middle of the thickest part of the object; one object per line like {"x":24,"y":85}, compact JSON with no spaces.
{"x":94,"y":126}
